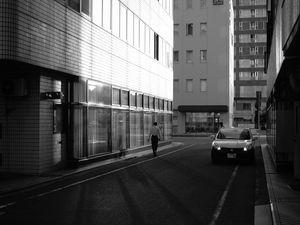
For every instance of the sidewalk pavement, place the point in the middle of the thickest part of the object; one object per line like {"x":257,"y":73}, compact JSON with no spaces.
{"x":284,"y":199}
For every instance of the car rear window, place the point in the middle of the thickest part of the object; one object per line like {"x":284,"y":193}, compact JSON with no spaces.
{"x":234,"y":134}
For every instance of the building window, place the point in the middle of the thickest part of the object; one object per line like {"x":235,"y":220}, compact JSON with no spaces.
{"x":260,"y":38}
{"x":142,"y":36}
{"x":176,"y":86}
{"x":189,"y":85}
{"x":245,"y":13}
{"x":97,"y":12}
{"x":244,"y":38}
{"x":136,"y":32}
{"x":202,"y":3}
{"x":176,"y":56}
{"x":123,"y":22}
{"x":189,"y":56}
{"x":203,"y":56}
{"x":189,"y":29}
{"x":203,"y":28}
{"x":115,"y":17}
{"x":124,"y":98}
{"x":203,"y":85}
{"x":156,"y":46}
{"x":107,"y":15}
{"x":175,"y":4}
{"x":130,"y":25}
{"x":260,"y":13}
{"x":116,"y":96}
{"x":176,"y":29}
{"x":243,"y":106}
{"x":82,"y":6}
{"x":189,"y":4}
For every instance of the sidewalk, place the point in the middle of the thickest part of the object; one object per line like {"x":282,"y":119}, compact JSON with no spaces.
{"x":12,"y":183}
{"x":284,"y":199}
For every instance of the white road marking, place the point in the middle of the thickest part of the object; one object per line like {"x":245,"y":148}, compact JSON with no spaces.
{"x":221,"y":202}
{"x":104,"y":174}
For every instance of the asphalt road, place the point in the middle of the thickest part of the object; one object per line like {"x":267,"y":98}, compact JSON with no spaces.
{"x":179,"y":186}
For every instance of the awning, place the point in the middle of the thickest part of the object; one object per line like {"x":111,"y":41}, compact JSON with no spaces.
{"x":203,"y":108}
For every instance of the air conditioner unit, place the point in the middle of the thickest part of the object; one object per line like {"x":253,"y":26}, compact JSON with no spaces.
{"x":13,"y":87}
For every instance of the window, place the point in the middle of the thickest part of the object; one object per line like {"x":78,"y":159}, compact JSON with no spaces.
{"x":86,"y":7}
{"x":115,"y":17}
{"x":123,"y":22}
{"x":142,"y":36}
{"x":189,"y":4}
{"x":83,"y":6}
{"x":133,"y":99}
{"x":244,"y":63}
{"x":203,"y":85}
{"x":260,"y":13}
{"x":97,"y":12}
{"x":176,"y":29}
{"x":146,"y":101}
{"x":74,"y":4}
{"x":176,"y":86}
{"x":99,"y":93}
{"x":125,"y":98}
{"x":260,"y":38}
{"x":244,"y":38}
{"x":130,"y":30}
{"x":189,"y":85}
{"x":106,"y":14}
{"x":175,"y":4}
{"x":189,"y":56}
{"x":202,"y":3}
{"x":116,"y":97}
{"x":189,"y":29}
{"x":203,"y":56}
{"x":176,"y":56}
{"x":139,"y":100}
{"x":259,"y":63}
{"x":136,"y":32}
{"x":203,"y":28}
{"x":245,"y":13}
{"x":156,"y":46}
{"x":243,"y":106}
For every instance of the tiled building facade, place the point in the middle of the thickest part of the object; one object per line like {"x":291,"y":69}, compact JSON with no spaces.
{"x":203,"y":65}
{"x":250,"y":29}
{"x":84,"y":79}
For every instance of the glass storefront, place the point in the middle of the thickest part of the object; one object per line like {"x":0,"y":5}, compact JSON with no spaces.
{"x":106,"y":119}
{"x":120,"y":131}
{"x":98,"y":130}
{"x":199,"y":122}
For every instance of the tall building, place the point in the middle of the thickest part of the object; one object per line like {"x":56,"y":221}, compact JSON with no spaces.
{"x":283,"y":69}
{"x":203,"y":65}
{"x":84,"y":80}
{"x":250,"y":45}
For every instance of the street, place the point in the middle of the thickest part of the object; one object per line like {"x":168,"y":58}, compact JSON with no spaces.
{"x":179,"y":186}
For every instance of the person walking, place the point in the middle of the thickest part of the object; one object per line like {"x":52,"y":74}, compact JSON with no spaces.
{"x":155,"y":136}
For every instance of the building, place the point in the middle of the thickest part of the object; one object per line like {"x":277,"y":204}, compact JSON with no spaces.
{"x":283,"y":70}
{"x":250,"y":29}
{"x":84,"y":80}
{"x":203,"y":65}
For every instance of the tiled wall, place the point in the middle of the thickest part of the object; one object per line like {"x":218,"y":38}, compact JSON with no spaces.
{"x":19,"y":118}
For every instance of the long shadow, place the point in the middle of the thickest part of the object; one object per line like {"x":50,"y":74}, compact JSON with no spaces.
{"x":187,"y":216}
{"x":134,"y":210}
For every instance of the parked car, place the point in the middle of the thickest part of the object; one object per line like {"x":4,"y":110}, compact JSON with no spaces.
{"x":233,"y":144}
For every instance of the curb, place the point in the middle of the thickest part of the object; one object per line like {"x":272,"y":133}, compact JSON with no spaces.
{"x":268,"y":172}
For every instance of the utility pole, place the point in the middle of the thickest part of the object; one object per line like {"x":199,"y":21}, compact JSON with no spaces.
{"x":257,"y":106}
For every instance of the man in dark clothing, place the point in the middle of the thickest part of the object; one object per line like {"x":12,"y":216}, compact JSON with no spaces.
{"x":155,"y":135}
